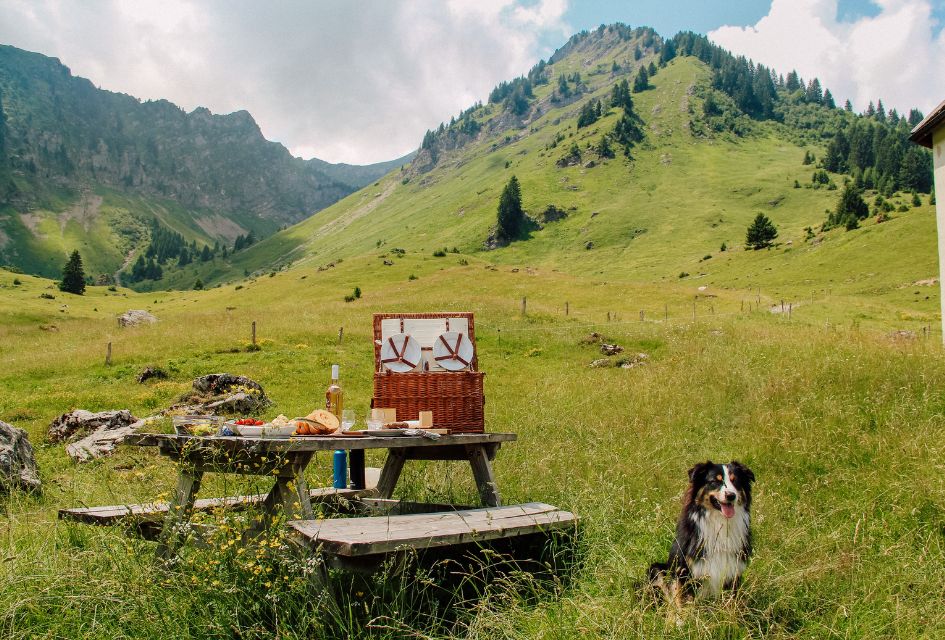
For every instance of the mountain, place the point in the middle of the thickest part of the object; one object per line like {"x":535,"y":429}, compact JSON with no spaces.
{"x":85,"y":168}
{"x":660,"y":190}
{"x":357,"y":176}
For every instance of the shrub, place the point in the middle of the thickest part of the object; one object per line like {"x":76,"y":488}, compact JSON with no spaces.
{"x":349,"y":298}
{"x":463,"y":262}
{"x":724,"y":247}
{"x":16,"y":282}
{"x":683,"y":274}
{"x":112,"y":288}
{"x":707,"y":256}
{"x":412,"y":277}
{"x":47,"y":296}
{"x":198,"y":285}
{"x":439,"y":253}
{"x":903,"y":208}
{"x":357,"y":292}
{"x":237,"y":287}
{"x":916,"y":202}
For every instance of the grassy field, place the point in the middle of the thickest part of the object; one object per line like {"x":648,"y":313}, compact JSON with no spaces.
{"x":841,"y":423}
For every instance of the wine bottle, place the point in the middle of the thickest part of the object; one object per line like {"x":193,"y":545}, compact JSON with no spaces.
{"x":334,"y":396}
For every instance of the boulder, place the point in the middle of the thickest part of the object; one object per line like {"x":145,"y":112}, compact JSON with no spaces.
{"x":633,"y":360}
{"x":79,"y":423}
{"x":17,"y":462}
{"x":151,"y":373}
{"x":601,"y":363}
{"x":224,"y":393}
{"x":610,"y":349}
{"x":134,"y":317}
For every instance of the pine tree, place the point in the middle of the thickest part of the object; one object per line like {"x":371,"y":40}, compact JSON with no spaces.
{"x":73,"y":276}
{"x":792,"y":84}
{"x":828,"y":100}
{"x":642,"y":81}
{"x":848,"y":106}
{"x":851,"y":208}
{"x":205,"y":255}
{"x":510,"y":214}
{"x":651,"y":69}
{"x":761,"y":233}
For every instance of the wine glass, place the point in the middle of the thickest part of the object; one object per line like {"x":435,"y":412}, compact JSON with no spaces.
{"x":348,"y":420}
{"x":374,"y":420}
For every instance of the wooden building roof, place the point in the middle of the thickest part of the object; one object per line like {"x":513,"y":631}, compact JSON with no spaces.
{"x":922,"y":134}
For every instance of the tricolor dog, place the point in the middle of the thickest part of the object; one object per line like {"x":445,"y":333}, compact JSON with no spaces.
{"x":713,"y":536}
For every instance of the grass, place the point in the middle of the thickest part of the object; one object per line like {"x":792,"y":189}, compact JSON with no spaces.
{"x":839,"y":416}
{"x":841,"y":423}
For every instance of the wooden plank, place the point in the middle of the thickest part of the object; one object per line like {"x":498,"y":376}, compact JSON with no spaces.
{"x":381,"y":506}
{"x":366,"y":536}
{"x":390,"y":472}
{"x":109,"y":515}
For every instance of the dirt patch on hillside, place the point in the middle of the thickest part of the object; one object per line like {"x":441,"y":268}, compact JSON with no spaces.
{"x":85,"y":211}
{"x":31,"y":221}
{"x":216,"y":226}
{"x":372,"y":201}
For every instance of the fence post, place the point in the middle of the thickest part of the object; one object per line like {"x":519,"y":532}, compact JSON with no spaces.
{"x":108,"y":355}
{"x":608,"y":316}
{"x":693,"y":309}
{"x":666,"y":312}
{"x":566,"y":309}
{"x":790,"y":307}
{"x":341,"y":334}
{"x":254,"y":333}
{"x":524,"y":305}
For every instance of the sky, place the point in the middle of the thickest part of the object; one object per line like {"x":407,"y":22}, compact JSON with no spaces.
{"x":360,"y":81}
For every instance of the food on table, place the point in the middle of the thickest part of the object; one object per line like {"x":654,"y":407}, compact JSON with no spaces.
{"x":279,"y":421}
{"x":249,"y":422}
{"x":329,"y":422}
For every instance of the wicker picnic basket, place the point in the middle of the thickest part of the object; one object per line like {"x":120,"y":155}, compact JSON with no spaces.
{"x":455,"y":397}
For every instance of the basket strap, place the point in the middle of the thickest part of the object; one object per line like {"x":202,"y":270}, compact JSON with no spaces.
{"x":453,"y":351}
{"x":399,"y":354}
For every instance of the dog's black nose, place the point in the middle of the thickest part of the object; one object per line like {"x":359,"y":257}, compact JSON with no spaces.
{"x":730,"y":496}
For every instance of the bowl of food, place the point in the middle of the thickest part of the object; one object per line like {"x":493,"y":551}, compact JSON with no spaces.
{"x":195,"y":425}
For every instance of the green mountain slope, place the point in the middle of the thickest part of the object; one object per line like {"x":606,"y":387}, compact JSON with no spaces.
{"x":662,"y":214}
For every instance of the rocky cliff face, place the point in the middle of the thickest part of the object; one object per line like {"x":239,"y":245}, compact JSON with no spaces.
{"x":60,"y":130}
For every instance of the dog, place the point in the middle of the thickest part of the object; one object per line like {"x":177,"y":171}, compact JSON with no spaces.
{"x":713,"y":535}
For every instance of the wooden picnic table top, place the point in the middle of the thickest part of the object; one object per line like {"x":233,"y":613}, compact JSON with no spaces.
{"x":311,"y":443}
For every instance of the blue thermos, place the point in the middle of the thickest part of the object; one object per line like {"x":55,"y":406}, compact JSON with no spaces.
{"x":340,"y":470}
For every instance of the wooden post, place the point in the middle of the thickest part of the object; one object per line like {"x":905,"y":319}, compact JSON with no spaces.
{"x":254,"y":333}
{"x":108,"y":355}
{"x":712,"y":309}
{"x":566,"y":310}
{"x":693,"y":309}
{"x":524,"y":304}
{"x":341,"y":334}
{"x":782,"y":306}
{"x":743,"y":306}
{"x":789,"y":308}
{"x":758,"y":301}
{"x":641,"y":315}
{"x":608,"y":316}
{"x":665,"y":312}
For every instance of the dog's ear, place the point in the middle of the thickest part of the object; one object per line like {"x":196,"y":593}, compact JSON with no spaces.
{"x":699,"y":469}
{"x":743,"y":471}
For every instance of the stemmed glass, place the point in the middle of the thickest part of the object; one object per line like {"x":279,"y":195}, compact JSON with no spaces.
{"x":348,"y":420}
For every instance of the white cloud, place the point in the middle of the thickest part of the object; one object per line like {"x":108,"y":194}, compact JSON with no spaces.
{"x":893,"y":56}
{"x":346,"y":82}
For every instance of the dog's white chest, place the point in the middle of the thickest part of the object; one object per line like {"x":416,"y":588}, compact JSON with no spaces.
{"x":723,"y":541}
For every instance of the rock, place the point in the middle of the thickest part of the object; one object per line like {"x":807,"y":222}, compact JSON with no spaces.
{"x":601,"y":363}
{"x":151,"y":373}
{"x":388,"y":263}
{"x":17,"y":462}
{"x":589,"y":245}
{"x":610,"y":349}
{"x":903,"y":334}
{"x":78,"y":423}
{"x":552,"y":214}
{"x":224,"y":393}
{"x":134,"y":317}
{"x":634,"y":360}
{"x":102,"y":441}
{"x":593,"y":338}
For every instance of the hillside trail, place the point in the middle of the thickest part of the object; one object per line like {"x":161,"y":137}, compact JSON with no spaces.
{"x":124,"y":265}
{"x":343,"y":221}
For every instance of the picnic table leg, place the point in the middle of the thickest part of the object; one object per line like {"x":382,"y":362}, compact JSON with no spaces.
{"x":296,"y":499}
{"x":179,"y":512}
{"x":482,"y":472}
{"x":390,"y":473}
{"x":356,"y":466}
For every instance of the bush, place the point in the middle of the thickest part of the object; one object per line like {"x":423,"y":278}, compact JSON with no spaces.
{"x":412,"y":277}
{"x":683,"y":274}
{"x":237,"y":287}
{"x":439,"y":253}
{"x":463,"y":262}
{"x":16,"y":282}
{"x":198,"y":285}
{"x":707,"y":256}
{"x":112,"y":288}
{"x":724,"y":247}
{"x":903,"y":208}
{"x":357,"y":292}
{"x":349,"y":298}
{"x":916,"y":202}
{"x":47,"y":296}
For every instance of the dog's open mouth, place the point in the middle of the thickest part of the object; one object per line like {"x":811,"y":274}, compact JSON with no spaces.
{"x":728,"y":510}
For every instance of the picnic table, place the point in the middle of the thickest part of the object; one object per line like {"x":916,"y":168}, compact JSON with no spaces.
{"x":285,"y":460}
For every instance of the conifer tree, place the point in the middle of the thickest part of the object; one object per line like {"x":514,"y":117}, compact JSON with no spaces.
{"x":510,"y":214}
{"x":761,"y":233}
{"x":851,"y":208}
{"x":828,"y":100}
{"x":642,"y":81}
{"x":73,"y":276}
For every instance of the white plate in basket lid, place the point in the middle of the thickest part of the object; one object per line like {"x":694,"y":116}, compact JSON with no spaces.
{"x":453,"y":351}
{"x":400,"y":353}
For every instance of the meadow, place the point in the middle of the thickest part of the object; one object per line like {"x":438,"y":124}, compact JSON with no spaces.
{"x":840,"y":419}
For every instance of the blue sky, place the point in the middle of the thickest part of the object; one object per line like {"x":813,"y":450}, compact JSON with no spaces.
{"x":359,"y":81}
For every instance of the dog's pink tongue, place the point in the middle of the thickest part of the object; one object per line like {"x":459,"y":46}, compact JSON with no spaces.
{"x":728,"y":510}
